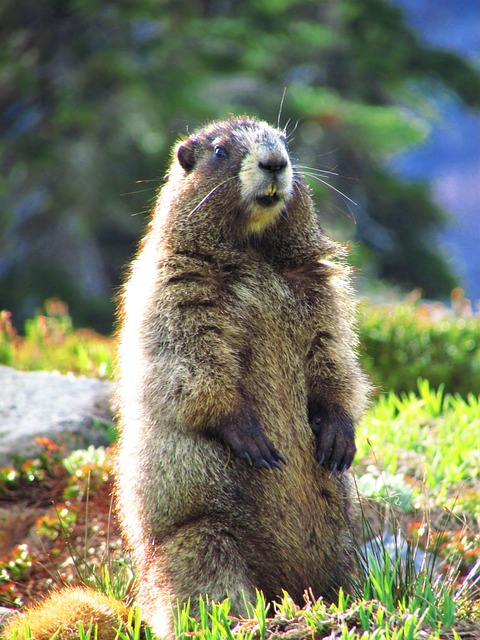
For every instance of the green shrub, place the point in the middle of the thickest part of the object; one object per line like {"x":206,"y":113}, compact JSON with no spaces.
{"x":413,"y":339}
{"x":51,"y":343}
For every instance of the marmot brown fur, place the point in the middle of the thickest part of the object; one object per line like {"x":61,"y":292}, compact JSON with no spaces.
{"x":238,"y":390}
{"x":239,"y":386}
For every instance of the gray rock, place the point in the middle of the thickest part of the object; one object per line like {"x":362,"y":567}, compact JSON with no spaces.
{"x":64,"y":408}
{"x":394,"y":547}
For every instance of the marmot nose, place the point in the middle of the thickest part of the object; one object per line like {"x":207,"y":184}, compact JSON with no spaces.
{"x":274,"y":165}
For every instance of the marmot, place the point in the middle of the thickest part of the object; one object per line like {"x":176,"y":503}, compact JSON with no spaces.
{"x":238,"y":385}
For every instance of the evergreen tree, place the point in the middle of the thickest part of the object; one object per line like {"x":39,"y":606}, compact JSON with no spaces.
{"x":93,"y":93}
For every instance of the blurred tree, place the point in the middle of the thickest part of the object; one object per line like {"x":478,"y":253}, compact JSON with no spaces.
{"x":92,"y":94}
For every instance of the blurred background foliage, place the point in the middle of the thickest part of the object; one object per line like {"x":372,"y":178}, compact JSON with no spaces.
{"x":93,"y":93}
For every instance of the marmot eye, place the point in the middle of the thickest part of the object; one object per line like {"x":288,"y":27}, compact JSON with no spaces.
{"x":220,"y":152}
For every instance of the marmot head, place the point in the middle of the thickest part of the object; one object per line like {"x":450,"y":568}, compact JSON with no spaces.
{"x":242,"y":162}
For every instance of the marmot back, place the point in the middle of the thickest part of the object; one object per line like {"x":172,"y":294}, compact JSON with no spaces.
{"x":239,"y":386}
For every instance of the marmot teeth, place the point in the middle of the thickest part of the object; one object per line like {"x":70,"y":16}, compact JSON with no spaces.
{"x":264,"y":201}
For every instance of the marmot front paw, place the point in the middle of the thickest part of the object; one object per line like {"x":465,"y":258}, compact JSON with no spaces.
{"x":244,"y":435}
{"x":334,"y":434}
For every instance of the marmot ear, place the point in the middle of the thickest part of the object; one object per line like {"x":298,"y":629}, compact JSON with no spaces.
{"x":186,"y":154}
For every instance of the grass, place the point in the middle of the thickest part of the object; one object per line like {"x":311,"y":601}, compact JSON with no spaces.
{"x":429,"y":436}
{"x":393,"y":599}
{"x":417,"y":472}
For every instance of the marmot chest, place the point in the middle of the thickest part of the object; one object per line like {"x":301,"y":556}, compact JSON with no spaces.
{"x":265,"y":306}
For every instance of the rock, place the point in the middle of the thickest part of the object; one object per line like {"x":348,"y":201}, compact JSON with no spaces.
{"x":64,"y":408}
{"x":394,"y":544}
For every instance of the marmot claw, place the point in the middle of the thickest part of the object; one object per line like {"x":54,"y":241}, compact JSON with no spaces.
{"x":246,"y":438}
{"x":335,"y":437}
